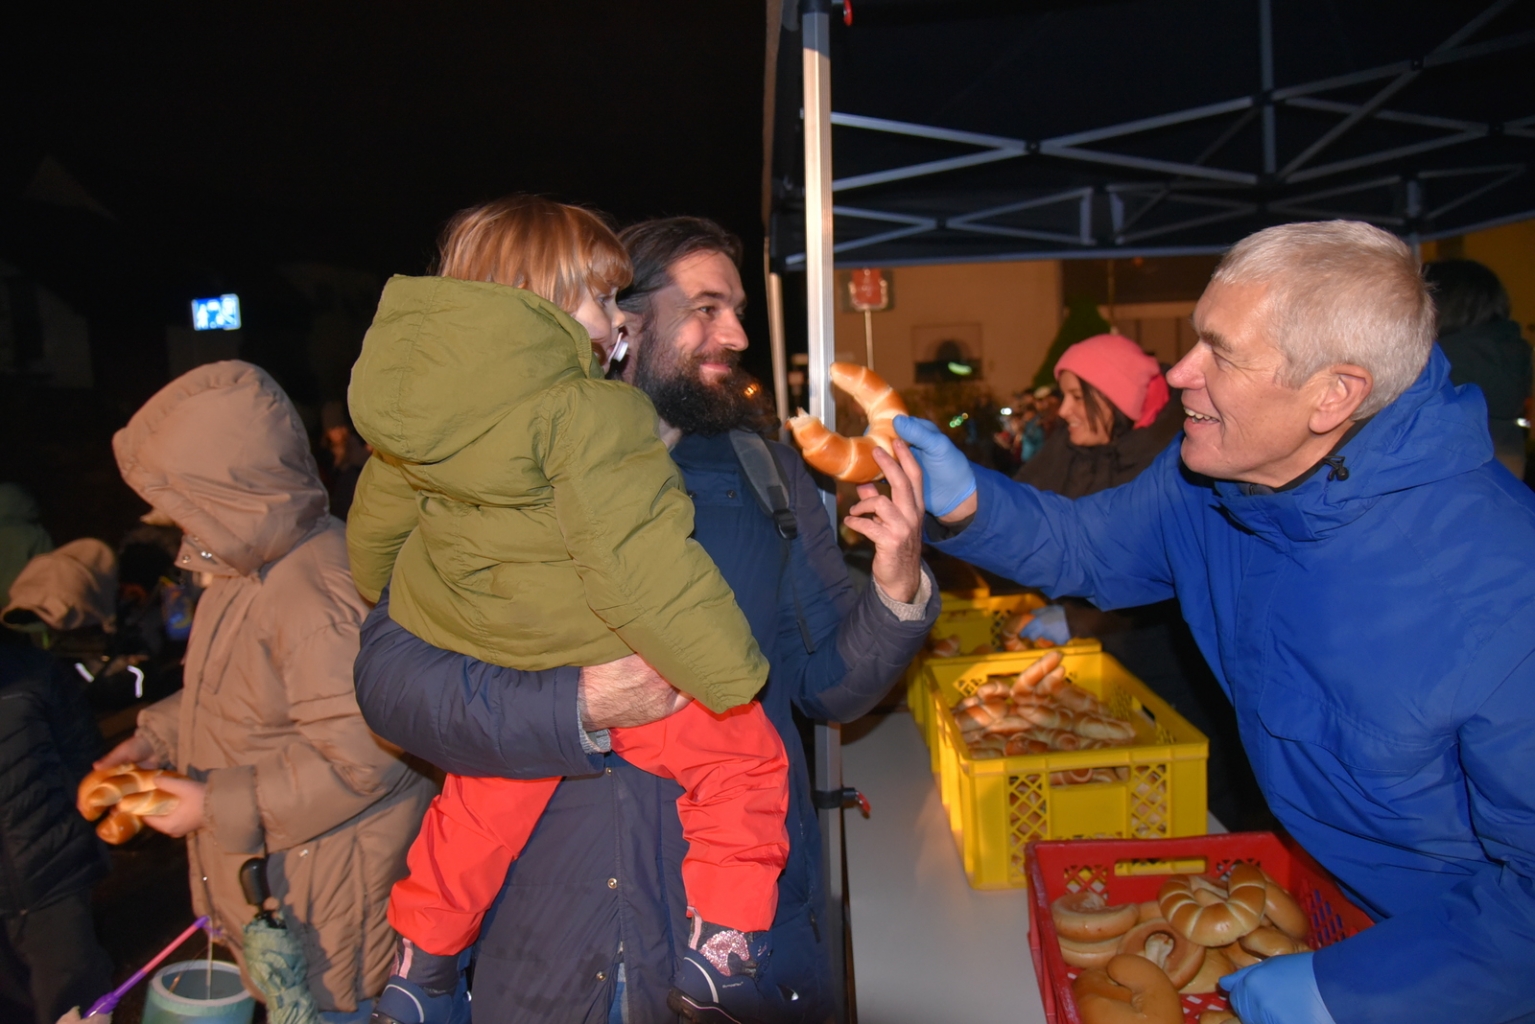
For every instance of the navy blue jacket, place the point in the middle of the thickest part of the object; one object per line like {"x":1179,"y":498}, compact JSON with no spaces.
{"x":1376,"y":634}
{"x":48,"y":739}
{"x":602,"y":870}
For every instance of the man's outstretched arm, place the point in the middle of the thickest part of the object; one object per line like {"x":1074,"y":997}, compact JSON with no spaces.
{"x":1109,"y":547}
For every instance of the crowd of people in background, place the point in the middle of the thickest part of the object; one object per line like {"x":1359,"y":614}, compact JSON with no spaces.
{"x":232,"y":607}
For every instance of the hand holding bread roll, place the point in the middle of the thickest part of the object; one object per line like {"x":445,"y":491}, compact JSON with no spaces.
{"x":126,"y":794}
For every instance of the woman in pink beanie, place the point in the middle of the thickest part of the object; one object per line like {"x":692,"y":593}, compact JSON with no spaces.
{"x":1119,"y":416}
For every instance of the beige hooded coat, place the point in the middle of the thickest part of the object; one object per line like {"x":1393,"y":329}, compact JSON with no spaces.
{"x":267,"y":716}
{"x":64,"y":589}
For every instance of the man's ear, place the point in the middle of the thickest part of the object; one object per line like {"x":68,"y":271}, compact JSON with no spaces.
{"x":1345,"y":388}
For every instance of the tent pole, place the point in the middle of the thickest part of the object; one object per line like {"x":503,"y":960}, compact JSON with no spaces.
{"x":1266,"y":65}
{"x":815,"y":30}
{"x":776,"y":339}
{"x":815,"y":37}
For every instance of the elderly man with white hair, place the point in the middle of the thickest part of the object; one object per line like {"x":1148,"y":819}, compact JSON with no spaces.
{"x":1360,"y":573}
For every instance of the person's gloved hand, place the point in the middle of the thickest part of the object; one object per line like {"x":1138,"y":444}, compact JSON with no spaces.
{"x":1048,"y":623}
{"x":1280,"y":990}
{"x":947,"y":478}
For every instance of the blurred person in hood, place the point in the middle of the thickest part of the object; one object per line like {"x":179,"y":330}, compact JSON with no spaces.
{"x":267,"y":726}
{"x":74,"y":587}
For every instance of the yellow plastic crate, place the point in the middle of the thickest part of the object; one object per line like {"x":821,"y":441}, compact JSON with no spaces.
{"x":916,"y":687}
{"x":972,"y":613}
{"x":997,"y":806}
{"x":978,"y":620}
{"x":975,"y":621}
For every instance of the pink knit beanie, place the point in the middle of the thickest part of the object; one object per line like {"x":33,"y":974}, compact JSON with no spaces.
{"x":1128,"y":377}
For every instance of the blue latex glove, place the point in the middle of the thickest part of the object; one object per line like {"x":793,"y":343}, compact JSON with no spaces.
{"x":1280,"y":990}
{"x":1048,"y":623}
{"x":947,"y":478}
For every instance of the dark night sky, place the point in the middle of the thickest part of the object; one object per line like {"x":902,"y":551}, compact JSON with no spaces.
{"x":230,"y":141}
{"x":226,"y":137}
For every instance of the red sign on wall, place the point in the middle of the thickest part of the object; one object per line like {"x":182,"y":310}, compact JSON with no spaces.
{"x":868,"y":291}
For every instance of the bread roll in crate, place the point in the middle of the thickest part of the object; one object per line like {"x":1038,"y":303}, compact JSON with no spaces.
{"x":976,"y":627}
{"x":1112,"y":873}
{"x":1137,"y":770}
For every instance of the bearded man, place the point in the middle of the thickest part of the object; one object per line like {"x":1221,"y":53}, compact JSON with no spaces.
{"x":592,"y":917}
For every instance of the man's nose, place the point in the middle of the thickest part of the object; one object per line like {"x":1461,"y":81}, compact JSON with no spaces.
{"x":728,"y":333}
{"x":1188,"y":373}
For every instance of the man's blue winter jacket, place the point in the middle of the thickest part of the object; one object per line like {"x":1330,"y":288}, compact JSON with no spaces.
{"x":1375,"y":631}
{"x":601,"y":872}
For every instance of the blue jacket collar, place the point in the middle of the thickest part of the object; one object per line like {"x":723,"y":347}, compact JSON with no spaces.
{"x":1433,"y":431}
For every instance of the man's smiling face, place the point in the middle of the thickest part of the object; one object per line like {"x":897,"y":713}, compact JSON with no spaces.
{"x":690,"y":343}
{"x":1242,"y":421}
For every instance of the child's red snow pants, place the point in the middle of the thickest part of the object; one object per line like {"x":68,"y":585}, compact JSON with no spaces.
{"x":735,"y":780}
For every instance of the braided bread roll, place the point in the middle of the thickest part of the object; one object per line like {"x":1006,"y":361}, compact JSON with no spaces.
{"x":1224,"y":921}
{"x":1079,"y":700}
{"x":129,"y":792}
{"x":1022,"y":744}
{"x":119,"y":826}
{"x":1102,"y":727}
{"x":1029,"y":679}
{"x":993,"y":689}
{"x":153,"y":801}
{"x":104,"y":787}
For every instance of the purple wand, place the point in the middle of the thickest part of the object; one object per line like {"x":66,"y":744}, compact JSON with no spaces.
{"x":108,"y":1002}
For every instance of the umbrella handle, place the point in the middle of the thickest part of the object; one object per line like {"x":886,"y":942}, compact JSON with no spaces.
{"x":108,"y":1002}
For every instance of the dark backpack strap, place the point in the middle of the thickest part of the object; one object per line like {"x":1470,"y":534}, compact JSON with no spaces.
{"x":766,"y":480}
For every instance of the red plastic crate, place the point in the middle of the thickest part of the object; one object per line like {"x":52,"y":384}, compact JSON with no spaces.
{"x":1132,"y":870}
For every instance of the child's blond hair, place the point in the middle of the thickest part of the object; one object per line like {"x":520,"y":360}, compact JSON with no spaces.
{"x":553,"y":250}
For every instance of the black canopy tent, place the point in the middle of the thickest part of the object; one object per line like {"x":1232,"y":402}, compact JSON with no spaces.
{"x":974,"y":130}
{"x":966,"y":132}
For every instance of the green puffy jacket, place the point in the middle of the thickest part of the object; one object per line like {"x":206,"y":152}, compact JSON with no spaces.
{"x":528,"y":512}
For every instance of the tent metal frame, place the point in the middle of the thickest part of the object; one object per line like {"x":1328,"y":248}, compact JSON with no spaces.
{"x":1199,"y":173}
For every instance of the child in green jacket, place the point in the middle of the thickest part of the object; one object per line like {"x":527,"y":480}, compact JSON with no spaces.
{"x":523,"y":511}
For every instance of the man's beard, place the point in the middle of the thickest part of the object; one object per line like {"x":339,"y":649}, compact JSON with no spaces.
{"x":675,"y":385}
